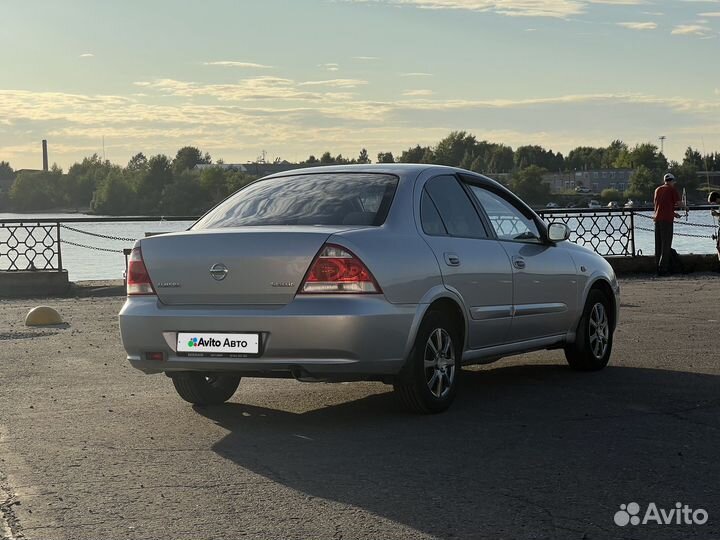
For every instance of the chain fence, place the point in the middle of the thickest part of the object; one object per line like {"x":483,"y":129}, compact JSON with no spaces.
{"x":36,"y":244}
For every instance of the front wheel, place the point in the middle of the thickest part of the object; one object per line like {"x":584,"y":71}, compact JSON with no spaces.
{"x":205,"y":388}
{"x":429,"y":380}
{"x":594,"y":339}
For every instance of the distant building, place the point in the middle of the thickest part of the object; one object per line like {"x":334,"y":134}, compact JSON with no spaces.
{"x":595,"y":179}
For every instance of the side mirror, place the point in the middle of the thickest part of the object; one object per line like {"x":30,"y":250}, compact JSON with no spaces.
{"x":557,"y":232}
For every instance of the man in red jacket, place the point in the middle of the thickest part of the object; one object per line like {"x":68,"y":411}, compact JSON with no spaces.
{"x":666,"y":200}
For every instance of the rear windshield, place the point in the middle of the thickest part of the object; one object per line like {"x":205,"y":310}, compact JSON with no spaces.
{"x":310,"y":199}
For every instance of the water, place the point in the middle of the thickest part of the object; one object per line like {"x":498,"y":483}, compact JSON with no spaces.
{"x":86,"y":264}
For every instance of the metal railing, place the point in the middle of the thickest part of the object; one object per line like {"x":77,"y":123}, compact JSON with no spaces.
{"x":612,"y":232}
{"x":36,"y":244}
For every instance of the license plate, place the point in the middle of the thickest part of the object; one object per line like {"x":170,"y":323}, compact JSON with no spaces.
{"x":218,"y":344}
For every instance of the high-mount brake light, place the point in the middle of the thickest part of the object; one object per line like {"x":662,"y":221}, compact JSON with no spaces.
{"x":337,"y":270}
{"x":138,"y":279}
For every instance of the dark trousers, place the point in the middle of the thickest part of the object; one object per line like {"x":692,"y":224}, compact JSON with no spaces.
{"x":663,"y":245}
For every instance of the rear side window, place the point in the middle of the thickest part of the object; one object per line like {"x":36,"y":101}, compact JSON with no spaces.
{"x":430,"y":218}
{"x":456,"y":211}
{"x":310,"y":199}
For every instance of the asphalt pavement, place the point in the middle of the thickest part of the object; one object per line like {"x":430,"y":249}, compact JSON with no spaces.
{"x":93,"y":449}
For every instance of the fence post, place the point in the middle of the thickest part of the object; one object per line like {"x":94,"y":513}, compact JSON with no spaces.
{"x":59,"y":250}
{"x":632,"y":232}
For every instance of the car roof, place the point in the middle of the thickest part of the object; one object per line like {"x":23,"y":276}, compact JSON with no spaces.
{"x":399,"y":169}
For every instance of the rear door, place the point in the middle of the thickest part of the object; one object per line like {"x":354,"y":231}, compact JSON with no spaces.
{"x":472,"y":264}
{"x":544,"y":275}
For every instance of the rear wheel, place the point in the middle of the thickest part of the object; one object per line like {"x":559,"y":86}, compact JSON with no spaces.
{"x":593,"y":342}
{"x":429,"y":381}
{"x":205,"y":388}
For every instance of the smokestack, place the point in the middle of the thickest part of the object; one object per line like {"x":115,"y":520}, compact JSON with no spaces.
{"x":45,"y":156}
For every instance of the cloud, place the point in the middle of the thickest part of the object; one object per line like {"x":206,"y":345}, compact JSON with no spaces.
{"x":366,"y":58}
{"x":638,"y":25}
{"x":294,"y":118}
{"x":233,"y":63}
{"x":336,"y":83}
{"x":330,"y":66}
{"x":516,"y":8}
{"x":418,"y":93}
{"x":87,"y":55}
{"x":415,"y":74}
{"x":709,"y":14}
{"x":690,"y":30}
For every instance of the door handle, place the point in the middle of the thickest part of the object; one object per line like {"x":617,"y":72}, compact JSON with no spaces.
{"x":451,"y":259}
{"x":519,"y":263}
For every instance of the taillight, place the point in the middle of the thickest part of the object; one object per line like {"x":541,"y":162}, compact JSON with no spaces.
{"x":138,"y":279}
{"x":337,"y":270}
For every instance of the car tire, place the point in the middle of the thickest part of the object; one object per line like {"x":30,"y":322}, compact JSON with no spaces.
{"x":593,"y":341}
{"x":429,"y":380}
{"x":205,"y":388}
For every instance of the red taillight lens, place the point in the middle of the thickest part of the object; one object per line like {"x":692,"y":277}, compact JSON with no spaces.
{"x":138,"y":279}
{"x":337,"y":270}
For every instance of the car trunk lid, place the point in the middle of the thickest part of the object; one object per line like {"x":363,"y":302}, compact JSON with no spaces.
{"x":244,"y":265}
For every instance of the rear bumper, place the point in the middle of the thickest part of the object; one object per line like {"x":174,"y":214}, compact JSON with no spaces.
{"x":333,"y":336}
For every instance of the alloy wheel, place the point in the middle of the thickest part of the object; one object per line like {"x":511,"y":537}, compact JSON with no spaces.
{"x":599,"y":329}
{"x":439,"y":363}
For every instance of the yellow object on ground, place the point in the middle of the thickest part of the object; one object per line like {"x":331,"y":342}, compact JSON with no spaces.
{"x":41,"y":316}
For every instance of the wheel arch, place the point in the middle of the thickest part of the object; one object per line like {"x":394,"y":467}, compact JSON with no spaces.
{"x":443,"y":299}
{"x":603,"y":285}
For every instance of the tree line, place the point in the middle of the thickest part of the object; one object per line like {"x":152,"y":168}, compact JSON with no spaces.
{"x":160,"y":185}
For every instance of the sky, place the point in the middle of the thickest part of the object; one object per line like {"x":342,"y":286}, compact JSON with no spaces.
{"x":297,"y":77}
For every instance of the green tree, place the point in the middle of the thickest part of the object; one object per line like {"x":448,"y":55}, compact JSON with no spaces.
{"x":114,"y":196}
{"x":152,"y":182}
{"x":214,"y":184}
{"x":647,"y":155}
{"x":312,"y":160}
{"x":236,"y":180}
{"x":363,"y":157}
{"x":585,"y":157}
{"x":385,"y":157}
{"x":417,"y":154}
{"x":614,"y":154}
{"x":327,"y":159}
{"x":82,"y":179}
{"x":609,"y":195}
{"x":526,"y":156}
{"x":453,"y":149}
{"x":6,"y":171}
{"x":528,"y":184}
{"x":686,"y":175}
{"x":36,"y":190}
{"x":189,"y":156}
{"x":183,"y":196}
{"x":138,"y":162}
{"x":642,"y":183}
{"x":693,"y":159}
{"x":500,"y":159}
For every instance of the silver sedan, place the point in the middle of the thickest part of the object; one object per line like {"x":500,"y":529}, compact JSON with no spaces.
{"x":395,"y":273}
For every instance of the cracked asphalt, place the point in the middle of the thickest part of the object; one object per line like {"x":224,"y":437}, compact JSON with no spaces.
{"x":92,"y":449}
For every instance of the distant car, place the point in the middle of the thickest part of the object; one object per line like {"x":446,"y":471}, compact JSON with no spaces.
{"x":552,"y":205}
{"x":613,"y":204}
{"x":594,"y":204}
{"x":630,"y":203}
{"x":394,"y":273}
{"x":582,"y":189}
